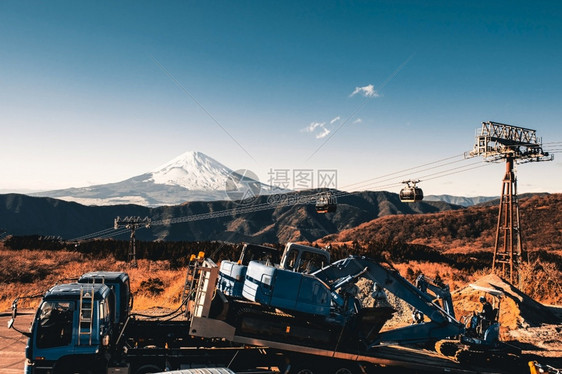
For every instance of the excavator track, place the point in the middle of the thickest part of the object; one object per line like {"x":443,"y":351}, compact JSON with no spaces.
{"x":490,"y":358}
{"x":447,"y":347}
{"x":252,"y":320}
{"x":474,"y":357}
{"x":468,"y":356}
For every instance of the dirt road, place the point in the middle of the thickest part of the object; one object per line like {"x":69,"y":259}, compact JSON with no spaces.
{"x":12,"y":344}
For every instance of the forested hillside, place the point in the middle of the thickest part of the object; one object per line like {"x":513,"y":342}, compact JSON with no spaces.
{"x":470,"y":229}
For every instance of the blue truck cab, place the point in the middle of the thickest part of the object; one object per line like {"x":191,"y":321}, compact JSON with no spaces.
{"x":71,"y":329}
{"x":120,"y":284}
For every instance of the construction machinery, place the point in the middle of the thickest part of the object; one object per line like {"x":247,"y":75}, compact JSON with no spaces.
{"x":295,"y":257}
{"x":323,"y":297}
{"x":283,"y":321}
{"x":480,"y":341}
{"x":233,"y":273}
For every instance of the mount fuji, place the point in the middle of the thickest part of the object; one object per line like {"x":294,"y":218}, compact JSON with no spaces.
{"x":192,"y":176}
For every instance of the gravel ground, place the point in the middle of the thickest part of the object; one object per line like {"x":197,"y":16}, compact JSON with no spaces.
{"x":12,"y":344}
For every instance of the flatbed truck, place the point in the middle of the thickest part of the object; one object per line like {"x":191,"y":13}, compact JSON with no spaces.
{"x":88,"y":327}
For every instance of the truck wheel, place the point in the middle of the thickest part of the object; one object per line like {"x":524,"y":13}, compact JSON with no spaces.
{"x":303,"y":371}
{"x":147,"y":369}
{"x":343,"y":367}
{"x":345,"y":370}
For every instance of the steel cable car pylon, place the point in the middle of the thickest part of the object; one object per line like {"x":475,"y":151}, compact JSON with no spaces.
{"x":132,"y":223}
{"x":496,"y":142}
{"x":508,"y":227}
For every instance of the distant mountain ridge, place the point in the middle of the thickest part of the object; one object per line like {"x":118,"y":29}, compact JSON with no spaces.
{"x":192,"y":176}
{"x":461,"y":200}
{"x":286,"y":221}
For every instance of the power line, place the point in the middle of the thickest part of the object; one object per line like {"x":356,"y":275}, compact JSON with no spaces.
{"x":458,"y":171}
{"x":423,"y":177}
{"x":404,"y":170}
{"x":95,"y":234}
{"x":405,"y":175}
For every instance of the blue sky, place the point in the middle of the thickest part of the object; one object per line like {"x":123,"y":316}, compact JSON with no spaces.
{"x":97,"y":92}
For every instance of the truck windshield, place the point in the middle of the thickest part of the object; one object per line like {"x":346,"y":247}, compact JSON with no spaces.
{"x":54,"y":326}
{"x":264,"y":254}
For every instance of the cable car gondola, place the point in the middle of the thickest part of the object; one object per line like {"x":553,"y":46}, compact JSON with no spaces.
{"x":326,"y":202}
{"x":411,"y":193}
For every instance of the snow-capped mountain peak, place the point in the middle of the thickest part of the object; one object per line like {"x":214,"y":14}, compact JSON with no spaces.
{"x":192,"y":171}
{"x":192,"y":176}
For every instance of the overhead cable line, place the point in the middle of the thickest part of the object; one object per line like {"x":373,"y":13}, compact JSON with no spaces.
{"x":426,"y":177}
{"x":404,"y":170}
{"x":456,"y":172}
{"x":406,"y":174}
{"x":439,"y":174}
{"x":107,"y":233}
{"x":95,"y":234}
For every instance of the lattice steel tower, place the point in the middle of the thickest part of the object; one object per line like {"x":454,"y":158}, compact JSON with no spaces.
{"x":132,"y":223}
{"x":496,"y":142}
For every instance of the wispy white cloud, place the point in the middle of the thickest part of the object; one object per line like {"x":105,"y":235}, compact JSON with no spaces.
{"x":367,"y":91}
{"x":313,"y":126}
{"x":323,"y":134}
{"x":358,"y":120}
{"x":319,"y":128}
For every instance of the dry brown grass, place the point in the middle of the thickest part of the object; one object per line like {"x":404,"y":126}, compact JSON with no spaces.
{"x":450,"y":276}
{"x":32,"y":272}
{"x":173,"y":281}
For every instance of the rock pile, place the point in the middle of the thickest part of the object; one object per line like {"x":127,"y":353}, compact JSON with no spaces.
{"x":517,"y":310}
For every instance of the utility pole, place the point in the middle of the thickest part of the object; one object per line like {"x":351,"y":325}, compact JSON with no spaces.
{"x":497,"y":142}
{"x":132,"y":223}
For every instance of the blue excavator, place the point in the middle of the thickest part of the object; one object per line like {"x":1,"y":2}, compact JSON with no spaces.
{"x":295,"y":257}
{"x":322,"y":309}
{"x":480,"y":341}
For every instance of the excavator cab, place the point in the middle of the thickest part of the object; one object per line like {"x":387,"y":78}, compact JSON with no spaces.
{"x":303,"y":258}
{"x":484,"y":325}
{"x":480,"y":341}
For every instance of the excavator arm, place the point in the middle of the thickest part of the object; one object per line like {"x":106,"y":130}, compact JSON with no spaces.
{"x":440,"y":291}
{"x":441,"y":323}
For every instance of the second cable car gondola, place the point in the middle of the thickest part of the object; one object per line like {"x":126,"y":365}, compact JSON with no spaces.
{"x":411,"y":193}
{"x":326,"y":202}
